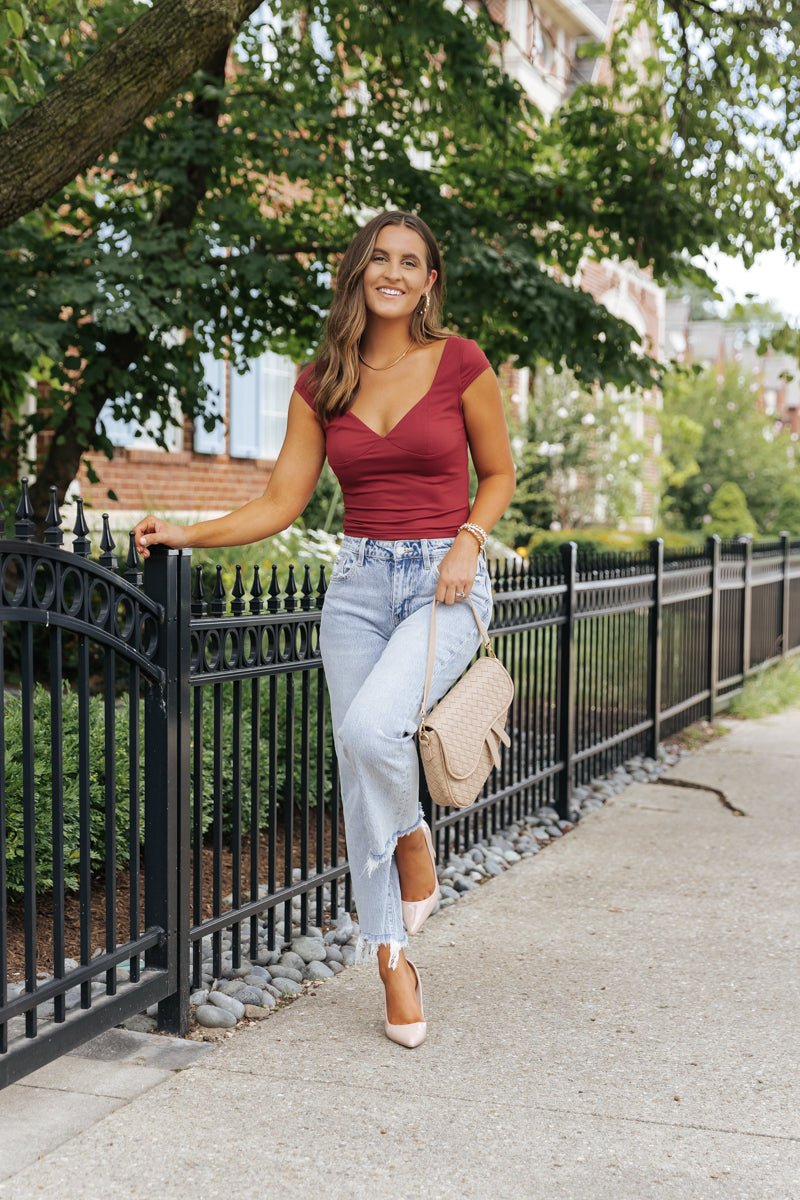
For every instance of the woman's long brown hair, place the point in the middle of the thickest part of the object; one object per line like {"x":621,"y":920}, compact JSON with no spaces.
{"x":336,"y":370}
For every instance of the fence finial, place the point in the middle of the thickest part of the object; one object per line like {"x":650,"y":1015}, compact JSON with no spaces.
{"x":256,"y":591}
{"x":218,"y":596}
{"x":53,"y":534}
{"x":237,"y":604}
{"x":290,"y":590}
{"x":133,"y":570}
{"x":307,"y":590}
{"x":322,"y":586}
{"x":24,"y":527}
{"x":107,"y":545}
{"x":81,"y":545}
{"x":274,"y":590}
{"x":199,"y":605}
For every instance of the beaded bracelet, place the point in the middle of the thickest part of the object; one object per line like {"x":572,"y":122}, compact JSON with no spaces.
{"x":477,"y":532}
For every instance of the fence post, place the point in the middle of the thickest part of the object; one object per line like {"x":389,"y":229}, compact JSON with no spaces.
{"x":654,"y":642}
{"x":713,"y":545}
{"x":747,"y":605}
{"x":566,"y":683}
{"x":166,"y":783}
{"x":785,"y":595}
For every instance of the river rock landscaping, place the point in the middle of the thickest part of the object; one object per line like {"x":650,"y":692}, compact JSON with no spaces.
{"x":255,"y":989}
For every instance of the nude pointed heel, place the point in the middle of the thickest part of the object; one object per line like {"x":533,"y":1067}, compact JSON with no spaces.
{"x":415,"y":912}
{"x":414,"y":1033}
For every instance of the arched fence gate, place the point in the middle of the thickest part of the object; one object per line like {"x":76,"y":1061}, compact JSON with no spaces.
{"x":168,"y":786}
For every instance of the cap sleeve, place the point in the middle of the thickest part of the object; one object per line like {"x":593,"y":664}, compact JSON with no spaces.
{"x":473,"y":363}
{"x":304,"y":384}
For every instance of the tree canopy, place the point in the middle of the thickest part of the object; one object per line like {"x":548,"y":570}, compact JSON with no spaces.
{"x":714,"y":434}
{"x":223,"y":213}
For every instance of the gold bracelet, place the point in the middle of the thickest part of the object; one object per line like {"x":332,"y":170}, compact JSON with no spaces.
{"x":477,"y":532}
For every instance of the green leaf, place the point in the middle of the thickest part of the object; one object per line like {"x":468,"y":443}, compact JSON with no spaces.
{"x":15,"y":22}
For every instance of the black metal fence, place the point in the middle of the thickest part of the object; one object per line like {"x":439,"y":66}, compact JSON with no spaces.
{"x":167,"y":774}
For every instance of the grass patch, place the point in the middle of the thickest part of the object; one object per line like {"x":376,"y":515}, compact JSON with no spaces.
{"x":700,"y":734}
{"x":771,"y":690}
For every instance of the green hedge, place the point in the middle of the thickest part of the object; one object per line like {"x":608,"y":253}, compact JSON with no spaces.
{"x":98,"y":770}
{"x":42,"y":783}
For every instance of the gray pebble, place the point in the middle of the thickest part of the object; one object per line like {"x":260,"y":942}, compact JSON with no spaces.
{"x":335,"y":967}
{"x":290,"y":959}
{"x":268,"y":999}
{"x":250,"y":995}
{"x":309,"y":949}
{"x":231,"y":987}
{"x":199,"y":997}
{"x":462,"y":884}
{"x":318,"y":970}
{"x":448,"y":892}
{"x":266,"y":957}
{"x":283,"y":972}
{"x":348,"y":955}
{"x":257,"y":981}
{"x":215,"y":1018}
{"x":286,"y":987}
{"x":258,"y":972}
{"x":228,"y":1003}
{"x":333,"y":954}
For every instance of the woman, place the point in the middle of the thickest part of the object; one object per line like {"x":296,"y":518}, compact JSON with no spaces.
{"x":394,"y":402}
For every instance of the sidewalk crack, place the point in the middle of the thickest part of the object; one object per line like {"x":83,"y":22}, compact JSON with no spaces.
{"x":705,"y":787}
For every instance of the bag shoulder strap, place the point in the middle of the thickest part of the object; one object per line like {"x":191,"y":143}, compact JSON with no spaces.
{"x":432,"y":650}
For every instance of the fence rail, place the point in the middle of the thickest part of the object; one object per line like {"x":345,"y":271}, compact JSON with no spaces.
{"x":168,"y":784}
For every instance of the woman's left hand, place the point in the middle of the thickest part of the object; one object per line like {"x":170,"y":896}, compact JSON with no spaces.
{"x":458,"y":569}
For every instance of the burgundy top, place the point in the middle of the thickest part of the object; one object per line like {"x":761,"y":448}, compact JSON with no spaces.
{"x":414,"y":482}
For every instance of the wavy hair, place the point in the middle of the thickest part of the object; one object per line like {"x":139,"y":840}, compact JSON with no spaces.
{"x":336,"y":366}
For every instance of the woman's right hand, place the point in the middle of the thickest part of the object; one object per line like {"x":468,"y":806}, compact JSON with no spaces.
{"x":152,"y":531}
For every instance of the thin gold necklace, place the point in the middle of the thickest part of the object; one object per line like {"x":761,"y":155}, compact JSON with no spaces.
{"x":391,"y":364}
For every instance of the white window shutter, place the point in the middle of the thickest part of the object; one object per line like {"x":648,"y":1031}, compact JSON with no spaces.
{"x":246,"y":394}
{"x":279,"y":374}
{"x":212,"y":442}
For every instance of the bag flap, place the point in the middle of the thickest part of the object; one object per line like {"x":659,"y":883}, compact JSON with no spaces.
{"x":471,"y":714}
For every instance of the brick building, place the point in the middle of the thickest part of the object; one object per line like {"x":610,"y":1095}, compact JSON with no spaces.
{"x":542,"y":55}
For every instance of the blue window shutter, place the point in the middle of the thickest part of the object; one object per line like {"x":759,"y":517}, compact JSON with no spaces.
{"x":212,"y":442}
{"x":246,"y":412}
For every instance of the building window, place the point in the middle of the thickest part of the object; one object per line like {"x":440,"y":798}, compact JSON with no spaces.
{"x":138,"y":435}
{"x":260,"y":405}
{"x":212,"y":441}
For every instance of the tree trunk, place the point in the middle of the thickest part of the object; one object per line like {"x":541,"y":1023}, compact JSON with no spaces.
{"x":63,"y":458}
{"x":113,"y":92}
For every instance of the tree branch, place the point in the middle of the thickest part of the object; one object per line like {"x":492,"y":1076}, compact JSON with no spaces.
{"x":113,"y":92}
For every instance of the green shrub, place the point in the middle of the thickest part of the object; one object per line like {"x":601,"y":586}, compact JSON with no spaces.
{"x":729,"y":513}
{"x":42,"y":783}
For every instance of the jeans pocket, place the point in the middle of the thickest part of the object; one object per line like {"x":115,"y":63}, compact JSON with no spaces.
{"x":342,"y":565}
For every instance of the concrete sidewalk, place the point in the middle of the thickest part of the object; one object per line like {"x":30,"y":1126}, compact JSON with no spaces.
{"x":614,"y":1019}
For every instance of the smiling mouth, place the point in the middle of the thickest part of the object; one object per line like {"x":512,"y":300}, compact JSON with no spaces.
{"x":392,"y":293}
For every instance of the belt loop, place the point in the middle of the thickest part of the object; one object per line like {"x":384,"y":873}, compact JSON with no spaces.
{"x":362,"y":546}
{"x":426,"y":553}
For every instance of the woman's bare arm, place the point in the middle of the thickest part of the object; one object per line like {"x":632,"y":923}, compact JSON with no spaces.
{"x":490,"y":447}
{"x":290,"y":486}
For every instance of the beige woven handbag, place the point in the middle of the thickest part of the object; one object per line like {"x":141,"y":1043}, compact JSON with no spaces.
{"x":459,"y":739}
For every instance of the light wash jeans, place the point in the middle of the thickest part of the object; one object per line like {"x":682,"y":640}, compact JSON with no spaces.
{"x":373,"y":641}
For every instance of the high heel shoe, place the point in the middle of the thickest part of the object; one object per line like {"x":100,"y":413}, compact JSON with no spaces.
{"x":410,"y":1035}
{"x":416,"y":911}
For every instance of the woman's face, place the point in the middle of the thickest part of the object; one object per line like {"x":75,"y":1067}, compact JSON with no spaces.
{"x":396,"y":277}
